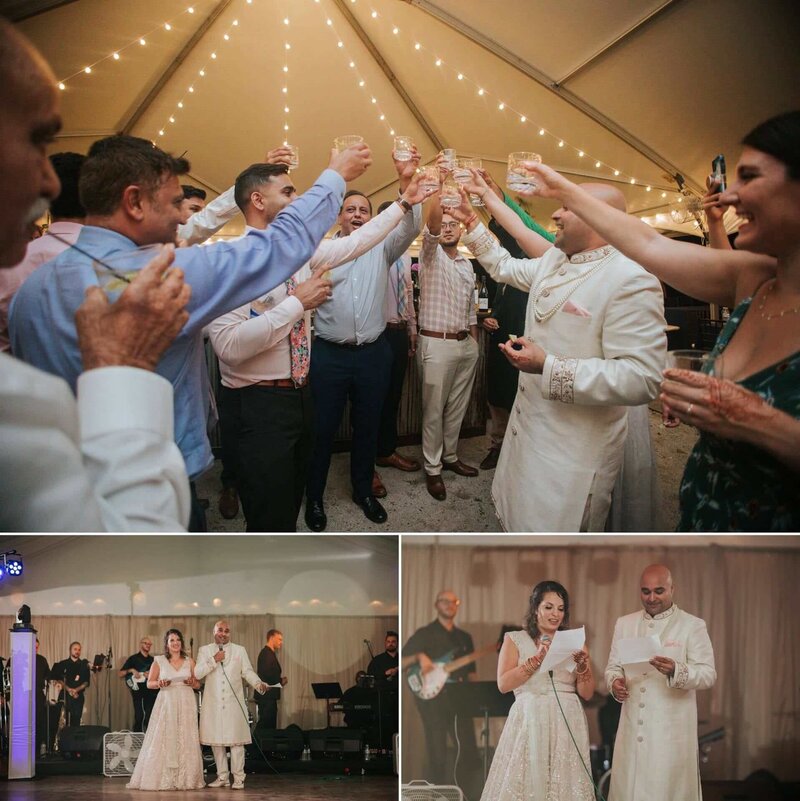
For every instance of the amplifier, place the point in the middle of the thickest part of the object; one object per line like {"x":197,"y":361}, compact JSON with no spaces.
{"x":335,"y":742}
{"x":287,"y":743}
{"x":82,"y":742}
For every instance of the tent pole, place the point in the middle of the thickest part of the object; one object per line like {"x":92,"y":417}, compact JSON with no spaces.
{"x":548,"y":83}
{"x":128,"y":125}
{"x":387,"y":71}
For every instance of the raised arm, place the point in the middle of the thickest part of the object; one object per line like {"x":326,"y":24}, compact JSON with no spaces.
{"x":716,"y":276}
{"x":529,"y":239}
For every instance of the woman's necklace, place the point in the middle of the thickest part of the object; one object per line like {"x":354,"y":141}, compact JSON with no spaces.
{"x":773,"y":315}
{"x":543,"y":291}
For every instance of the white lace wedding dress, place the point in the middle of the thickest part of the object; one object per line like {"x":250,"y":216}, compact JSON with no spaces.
{"x":536,"y":759}
{"x":171,"y":758}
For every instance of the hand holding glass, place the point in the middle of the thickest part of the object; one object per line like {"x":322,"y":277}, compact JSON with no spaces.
{"x":518,"y":179}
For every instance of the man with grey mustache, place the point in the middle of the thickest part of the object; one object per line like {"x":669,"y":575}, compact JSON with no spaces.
{"x":106,"y":461}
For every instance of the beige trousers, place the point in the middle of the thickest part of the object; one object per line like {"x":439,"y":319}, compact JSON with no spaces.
{"x":237,"y":761}
{"x":447,"y":367}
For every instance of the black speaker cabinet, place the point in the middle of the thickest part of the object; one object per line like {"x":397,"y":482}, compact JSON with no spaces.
{"x":82,"y":742}
{"x":285,"y":743}
{"x":335,"y":742}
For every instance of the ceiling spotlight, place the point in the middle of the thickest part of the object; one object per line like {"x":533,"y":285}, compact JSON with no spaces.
{"x":616,"y":172}
{"x":87,"y":70}
{"x":61,"y":86}
{"x":14,"y":567}
{"x":226,"y":37}
{"x":541,"y":131}
{"x":167,"y":26}
{"x":523,"y":118}
{"x":115,"y":56}
{"x":460,"y":77}
{"x":597,"y":164}
{"x":561,"y":143}
{"x":501,"y":106}
{"x":142,"y":42}
{"x":581,"y":154}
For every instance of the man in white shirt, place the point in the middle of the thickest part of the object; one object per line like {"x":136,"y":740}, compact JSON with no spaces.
{"x":107,"y":462}
{"x":264,"y":349}
{"x":401,"y":334}
{"x":194,"y":201}
{"x":655,"y":753}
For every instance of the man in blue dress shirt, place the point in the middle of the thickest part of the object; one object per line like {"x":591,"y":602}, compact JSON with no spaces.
{"x":351,"y":355}
{"x":132,"y":197}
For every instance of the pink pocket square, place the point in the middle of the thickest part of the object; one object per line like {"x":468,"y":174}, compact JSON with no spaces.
{"x":573,"y":308}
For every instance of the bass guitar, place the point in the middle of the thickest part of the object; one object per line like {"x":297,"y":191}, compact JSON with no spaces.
{"x":428,"y":685}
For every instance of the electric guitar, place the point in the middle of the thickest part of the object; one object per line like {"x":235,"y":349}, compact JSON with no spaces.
{"x":133,"y":683}
{"x":428,"y":685}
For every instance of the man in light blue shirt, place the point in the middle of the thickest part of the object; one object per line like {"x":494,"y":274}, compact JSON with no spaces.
{"x":132,"y":198}
{"x":351,"y":355}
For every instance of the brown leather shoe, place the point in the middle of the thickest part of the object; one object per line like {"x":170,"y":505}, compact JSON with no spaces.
{"x":378,"y":490}
{"x":460,"y":468}
{"x":436,"y":487}
{"x":490,"y":461}
{"x":398,"y":461}
{"x":228,"y":503}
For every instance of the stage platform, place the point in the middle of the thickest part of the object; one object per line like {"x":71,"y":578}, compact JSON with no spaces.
{"x":286,"y":787}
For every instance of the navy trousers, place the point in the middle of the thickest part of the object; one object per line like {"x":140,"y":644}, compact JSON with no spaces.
{"x":338,"y":372}
{"x":387,"y":433}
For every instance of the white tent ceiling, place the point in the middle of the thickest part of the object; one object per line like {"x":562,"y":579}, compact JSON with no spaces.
{"x":651,"y":88}
{"x":225,"y":575}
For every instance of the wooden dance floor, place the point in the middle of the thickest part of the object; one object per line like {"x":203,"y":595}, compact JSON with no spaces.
{"x":288,"y":787}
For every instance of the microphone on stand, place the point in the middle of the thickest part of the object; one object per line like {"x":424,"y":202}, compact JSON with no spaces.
{"x":369,"y":648}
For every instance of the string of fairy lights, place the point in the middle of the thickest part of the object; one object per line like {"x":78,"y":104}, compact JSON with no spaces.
{"x":217,"y":42}
{"x":353,"y":67}
{"x":116,"y":55}
{"x":417,"y":46}
{"x":211,"y":60}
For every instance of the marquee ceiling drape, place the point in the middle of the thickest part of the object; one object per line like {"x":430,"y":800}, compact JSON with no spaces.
{"x":648,"y":88}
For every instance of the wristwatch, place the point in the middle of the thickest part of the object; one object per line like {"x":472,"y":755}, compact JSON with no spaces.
{"x":406,"y":206}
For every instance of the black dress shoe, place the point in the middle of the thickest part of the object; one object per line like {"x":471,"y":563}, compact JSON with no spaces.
{"x":316,"y":519}
{"x":371,"y":508}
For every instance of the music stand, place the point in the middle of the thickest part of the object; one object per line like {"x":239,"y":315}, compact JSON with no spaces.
{"x":481,"y":699}
{"x":324,"y":691}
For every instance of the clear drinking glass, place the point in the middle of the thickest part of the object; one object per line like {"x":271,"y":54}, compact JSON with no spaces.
{"x":429,"y":177}
{"x":518,"y":179}
{"x":343,"y":142}
{"x":295,"y":157}
{"x":700,"y":361}
{"x":449,"y":154}
{"x":116,"y":271}
{"x":463,"y":175}
{"x":403,"y":148}
{"x":450,"y":196}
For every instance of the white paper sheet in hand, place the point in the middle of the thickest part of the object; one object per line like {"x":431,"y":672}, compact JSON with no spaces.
{"x":635,"y":653}
{"x":565,"y":643}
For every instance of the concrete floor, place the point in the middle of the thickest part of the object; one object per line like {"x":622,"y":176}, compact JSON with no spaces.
{"x":468,"y":507}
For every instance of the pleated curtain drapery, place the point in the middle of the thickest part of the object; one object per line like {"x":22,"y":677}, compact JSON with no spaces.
{"x":746,"y":596}
{"x":315,"y":649}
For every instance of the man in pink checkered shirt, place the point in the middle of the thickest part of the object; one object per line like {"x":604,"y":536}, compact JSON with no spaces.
{"x":447,"y":350}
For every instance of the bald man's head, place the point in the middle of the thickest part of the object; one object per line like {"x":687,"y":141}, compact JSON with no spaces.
{"x":573,"y":235}
{"x":29,"y":121}
{"x":222,"y":632}
{"x":656,"y":588}
{"x":608,"y":194}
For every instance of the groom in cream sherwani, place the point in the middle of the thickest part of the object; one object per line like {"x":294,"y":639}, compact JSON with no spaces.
{"x":656,"y":751}
{"x":223,"y":718}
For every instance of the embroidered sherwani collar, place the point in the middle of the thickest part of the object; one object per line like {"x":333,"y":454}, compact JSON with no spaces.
{"x":661,"y":616}
{"x":591,"y":255}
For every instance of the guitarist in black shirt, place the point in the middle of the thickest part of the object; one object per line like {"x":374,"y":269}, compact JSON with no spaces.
{"x":135,"y":671}
{"x":440,"y":641}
